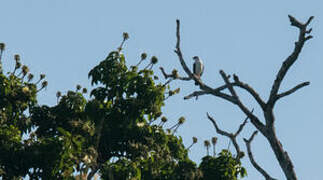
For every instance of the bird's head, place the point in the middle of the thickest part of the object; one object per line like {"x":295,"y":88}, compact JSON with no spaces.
{"x":195,"y":58}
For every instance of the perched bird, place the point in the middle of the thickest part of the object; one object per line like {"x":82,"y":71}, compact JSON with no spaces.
{"x":198,"y":67}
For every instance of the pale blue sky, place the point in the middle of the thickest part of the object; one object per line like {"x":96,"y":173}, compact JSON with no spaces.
{"x":65,"y":38}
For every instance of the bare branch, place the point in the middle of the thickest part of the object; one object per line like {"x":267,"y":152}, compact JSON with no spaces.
{"x":173,"y":76}
{"x":308,"y":38}
{"x":242,"y":125}
{"x":218,"y":130}
{"x":215,"y":93}
{"x":291,"y":58}
{"x":182,"y":61}
{"x":204,"y":87}
{"x":252,"y":160}
{"x":165,"y":74}
{"x":295,"y":22}
{"x":254,"y":120}
{"x":281,"y":155}
{"x":191,"y":75}
{"x":229,"y":85}
{"x":249,"y":89}
{"x":195,"y":94}
{"x":216,"y":90}
{"x":309,"y":21}
{"x":224,"y":96}
{"x":294,"y":89}
{"x":224,"y":87}
{"x":179,"y":52}
{"x":167,"y":82}
{"x":231,"y":136}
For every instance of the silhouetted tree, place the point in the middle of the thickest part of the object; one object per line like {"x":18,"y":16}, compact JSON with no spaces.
{"x":267,"y":128}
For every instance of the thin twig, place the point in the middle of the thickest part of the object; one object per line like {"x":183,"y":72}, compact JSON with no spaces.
{"x":242,"y":125}
{"x":294,"y":89}
{"x":195,"y":94}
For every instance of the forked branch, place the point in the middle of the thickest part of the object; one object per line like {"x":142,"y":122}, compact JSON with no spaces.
{"x":290,"y":60}
{"x":251,"y":91}
{"x":254,"y":119}
{"x":231,"y":136}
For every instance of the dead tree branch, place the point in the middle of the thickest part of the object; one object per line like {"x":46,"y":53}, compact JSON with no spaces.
{"x":207,"y":89}
{"x":254,"y":119}
{"x":251,"y":91}
{"x":173,"y":76}
{"x":252,"y":160}
{"x":294,"y":89}
{"x":231,"y":136}
{"x":195,"y":94}
{"x":267,"y":129}
{"x":302,"y":38}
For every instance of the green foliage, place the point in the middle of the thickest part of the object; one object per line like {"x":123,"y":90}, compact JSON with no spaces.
{"x":223,"y":167}
{"x":16,"y":97}
{"x":112,"y":133}
{"x":129,"y":100}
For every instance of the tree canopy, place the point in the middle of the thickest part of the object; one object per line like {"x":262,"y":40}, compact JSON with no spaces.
{"x":116,"y":132}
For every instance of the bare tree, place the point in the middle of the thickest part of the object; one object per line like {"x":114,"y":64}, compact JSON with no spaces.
{"x":268,"y":128}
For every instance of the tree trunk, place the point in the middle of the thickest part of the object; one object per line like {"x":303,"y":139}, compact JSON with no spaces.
{"x":281,"y":155}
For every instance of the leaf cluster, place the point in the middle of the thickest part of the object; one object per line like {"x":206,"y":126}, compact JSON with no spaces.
{"x":223,"y":167}
{"x":112,"y":133}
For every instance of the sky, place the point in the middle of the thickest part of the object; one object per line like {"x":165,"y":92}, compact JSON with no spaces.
{"x":66,"y":38}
